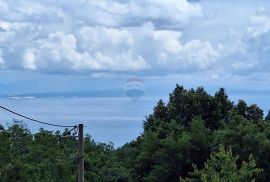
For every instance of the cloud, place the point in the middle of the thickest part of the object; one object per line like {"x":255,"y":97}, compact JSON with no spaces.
{"x":102,"y":36}
{"x":172,"y":53}
{"x":194,"y":54}
{"x":151,"y":37}
{"x":29,"y":59}
{"x":259,"y":23}
{"x":59,"y":52}
{"x":136,"y":13}
{"x":109,"y":6}
{"x":252,"y":53}
{"x":164,"y":13}
{"x":243,"y":55}
{"x":2,"y":62}
{"x":5,"y":36}
{"x":98,"y":38}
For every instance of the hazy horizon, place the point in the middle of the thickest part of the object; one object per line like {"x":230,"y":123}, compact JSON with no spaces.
{"x":50,"y":49}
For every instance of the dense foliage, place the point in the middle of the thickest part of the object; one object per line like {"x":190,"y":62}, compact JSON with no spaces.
{"x":50,"y":157}
{"x":195,"y":137}
{"x":222,"y":166}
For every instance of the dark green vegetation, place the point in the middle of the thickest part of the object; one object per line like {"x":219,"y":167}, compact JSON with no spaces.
{"x":194,"y":137}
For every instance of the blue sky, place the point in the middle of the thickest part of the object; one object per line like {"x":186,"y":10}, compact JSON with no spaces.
{"x":64,"y":45}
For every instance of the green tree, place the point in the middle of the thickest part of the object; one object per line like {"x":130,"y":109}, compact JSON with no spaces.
{"x":222,"y":167}
{"x":169,"y":151}
{"x":267,"y":118}
{"x":47,"y":156}
{"x":160,"y":113}
{"x":252,"y":112}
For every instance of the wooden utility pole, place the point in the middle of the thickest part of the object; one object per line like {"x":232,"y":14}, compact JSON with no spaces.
{"x":81,"y":154}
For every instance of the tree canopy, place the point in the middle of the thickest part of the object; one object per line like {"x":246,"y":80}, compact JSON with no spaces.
{"x":222,"y":166}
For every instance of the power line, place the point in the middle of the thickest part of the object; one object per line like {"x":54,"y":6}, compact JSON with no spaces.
{"x":37,"y":121}
{"x":80,"y":156}
{"x":74,"y":128}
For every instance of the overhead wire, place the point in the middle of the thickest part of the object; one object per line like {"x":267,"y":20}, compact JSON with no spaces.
{"x":64,"y":135}
{"x":37,"y":121}
{"x":8,"y":115}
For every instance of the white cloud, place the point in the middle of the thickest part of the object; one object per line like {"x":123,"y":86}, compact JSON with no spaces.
{"x":177,"y":11}
{"x":173,"y":10}
{"x":242,"y":66}
{"x":259,"y":23}
{"x":122,"y":62}
{"x":194,"y":54}
{"x":133,"y":11}
{"x":59,"y":52}
{"x":7,"y":26}
{"x":5,"y":36}
{"x":9,"y":30}
{"x":29,"y":59}
{"x":160,"y":48}
{"x":108,"y":6}
{"x":2,"y":62}
{"x":96,"y":38}
{"x":169,"y":40}
{"x":102,"y":36}
{"x":48,"y":36}
{"x":174,"y":54}
{"x":199,"y":54}
{"x":250,"y":53}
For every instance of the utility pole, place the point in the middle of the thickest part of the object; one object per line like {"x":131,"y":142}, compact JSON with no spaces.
{"x":81,"y":155}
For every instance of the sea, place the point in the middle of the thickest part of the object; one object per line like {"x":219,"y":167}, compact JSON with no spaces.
{"x":107,"y":119}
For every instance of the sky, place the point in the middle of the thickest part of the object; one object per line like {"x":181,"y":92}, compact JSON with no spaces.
{"x":66,"y":45}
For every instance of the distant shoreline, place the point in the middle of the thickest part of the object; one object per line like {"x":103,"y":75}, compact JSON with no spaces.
{"x":80,"y":94}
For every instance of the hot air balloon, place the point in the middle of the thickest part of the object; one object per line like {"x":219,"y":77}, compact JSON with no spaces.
{"x":134,"y":88}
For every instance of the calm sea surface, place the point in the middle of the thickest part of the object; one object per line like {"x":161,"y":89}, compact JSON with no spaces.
{"x":117,"y":119}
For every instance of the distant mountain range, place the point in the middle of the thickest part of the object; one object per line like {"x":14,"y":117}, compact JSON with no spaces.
{"x":93,"y":93}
